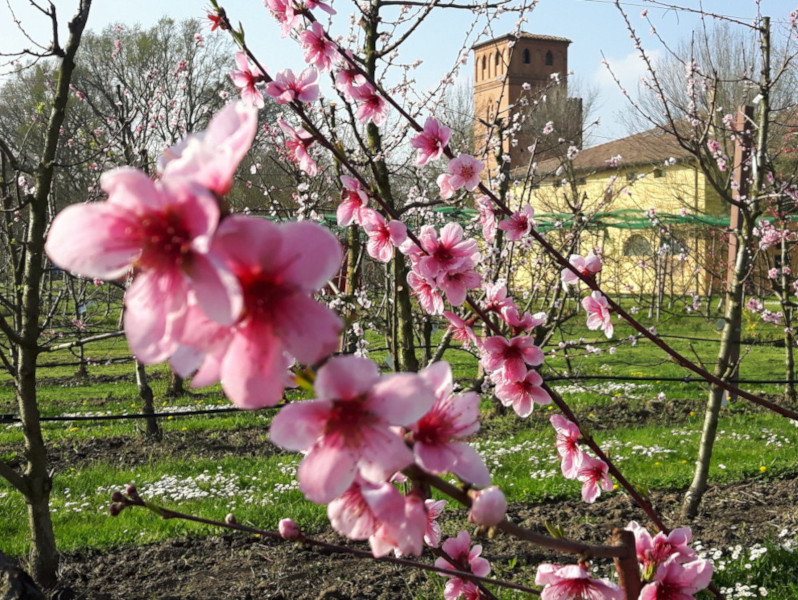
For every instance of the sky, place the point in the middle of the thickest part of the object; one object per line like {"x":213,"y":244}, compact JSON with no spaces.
{"x":595,"y":27}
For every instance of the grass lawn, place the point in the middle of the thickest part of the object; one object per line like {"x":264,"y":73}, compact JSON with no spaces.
{"x":631,"y":420}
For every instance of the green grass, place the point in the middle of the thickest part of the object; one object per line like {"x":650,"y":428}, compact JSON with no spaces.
{"x":752,"y":445}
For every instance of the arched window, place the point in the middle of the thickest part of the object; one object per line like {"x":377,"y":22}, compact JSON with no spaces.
{"x":497,"y":62}
{"x":549,"y":59}
{"x":526,"y":56}
{"x":484,"y":66}
{"x":674,"y":245}
{"x":637,"y":245}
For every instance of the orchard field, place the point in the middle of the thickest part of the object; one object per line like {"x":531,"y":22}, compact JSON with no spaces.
{"x":214,"y":464}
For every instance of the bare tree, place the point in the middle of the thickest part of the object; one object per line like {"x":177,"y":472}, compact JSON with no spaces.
{"x":22,"y":330}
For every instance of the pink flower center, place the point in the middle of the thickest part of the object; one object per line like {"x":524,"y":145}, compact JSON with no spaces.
{"x":165,"y":241}
{"x":512,"y":353}
{"x":433,"y":429}
{"x":263,"y":294}
{"x":348,"y":419}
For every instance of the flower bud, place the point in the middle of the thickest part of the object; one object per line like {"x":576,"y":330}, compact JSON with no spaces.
{"x":132,"y":492}
{"x":117,"y":497}
{"x":230,"y":519}
{"x":116,"y":508}
{"x":288,"y":529}
{"x":488,"y":507}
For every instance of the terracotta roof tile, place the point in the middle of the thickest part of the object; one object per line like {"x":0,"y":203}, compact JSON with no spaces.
{"x":650,"y":148}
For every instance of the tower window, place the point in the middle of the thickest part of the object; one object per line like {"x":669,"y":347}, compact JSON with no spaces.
{"x":526,"y":56}
{"x":549,"y":59}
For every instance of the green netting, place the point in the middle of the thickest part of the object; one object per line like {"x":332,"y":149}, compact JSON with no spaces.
{"x":625,"y":218}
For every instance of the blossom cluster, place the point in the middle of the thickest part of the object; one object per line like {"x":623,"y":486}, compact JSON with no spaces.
{"x":225,"y":296}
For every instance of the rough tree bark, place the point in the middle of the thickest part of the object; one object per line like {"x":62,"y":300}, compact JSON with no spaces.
{"x":35,"y":482}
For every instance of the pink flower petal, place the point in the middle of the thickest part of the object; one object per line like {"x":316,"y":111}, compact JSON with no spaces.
{"x":326,"y":472}
{"x":298,"y":425}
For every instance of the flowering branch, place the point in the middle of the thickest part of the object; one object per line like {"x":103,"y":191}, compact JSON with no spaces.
{"x":132,"y":498}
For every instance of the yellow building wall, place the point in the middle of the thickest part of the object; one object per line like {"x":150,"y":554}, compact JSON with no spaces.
{"x":672,"y":190}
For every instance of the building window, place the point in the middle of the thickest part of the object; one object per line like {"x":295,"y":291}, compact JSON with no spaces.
{"x":527,"y":58}
{"x":549,"y":59}
{"x":637,"y":245}
{"x":631,"y":176}
{"x":497,"y":61}
{"x":659,"y":173}
{"x":674,"y":245}
{"x":484,"y":66}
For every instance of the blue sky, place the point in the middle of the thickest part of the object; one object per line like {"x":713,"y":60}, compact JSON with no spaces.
{"x":594,"y":26}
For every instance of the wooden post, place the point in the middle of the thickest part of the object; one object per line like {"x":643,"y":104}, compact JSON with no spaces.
{"x":741,"y":180}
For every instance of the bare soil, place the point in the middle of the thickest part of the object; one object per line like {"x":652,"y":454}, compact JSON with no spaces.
{"x":234,"y":566}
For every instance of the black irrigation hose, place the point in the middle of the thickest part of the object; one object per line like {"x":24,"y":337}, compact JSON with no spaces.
{"x":685,"y":379}
{"x":9,"y":418}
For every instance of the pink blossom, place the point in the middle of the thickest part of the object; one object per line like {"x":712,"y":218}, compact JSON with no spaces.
{"x":593,"y":475}
{"x":353,"y":203}
{"x":496,"y":298}
{"x":288,"y":529}
{"x":430,"y":142}
{"x":463,"y":558}
{"x":371,"y":106}
{"x":401,"y":527}
{"x":319,"y":50}
{"x":348,"y":77}
{"x":278,"y":269}
{"x":437,"y":436}
{"x":298,"y":143}
{"x":455,"y":283}
{"x":461,"y":588}
{"x":245,"y":78}
{"x":511,"y":356}
{"x":432,"y":534}
{"x":519,"y":224}
{"x":350,"y":513}
{"x":379,"y":513}
{"x":464,"y":171}
{"x":653,"y":552}
{"x":444,"y":182}
{"x":461,"y":332}
{"x":598,"y":313}
{"x":313,"y":4}
{"x":675,"y":581}
{"x":447,"y":253}
{"x":383,"y":236}
{"x":773,"y":273}
{"x":487,"y":218}
{"x":589,"y":265}
{"x":210,"y":158}
{"x":428,"y":295}
{"x":488,"y":507}
{"x":573,"y":582}
{"x":347,"y":429}
{"x":287,"y":87}
{"x":163,"y":230}
{"x":568,"y":435}
{"x":285,"y":14}
{"x":523,"y":394}
{"x":754,"y":305}
{"x":527,"y":322}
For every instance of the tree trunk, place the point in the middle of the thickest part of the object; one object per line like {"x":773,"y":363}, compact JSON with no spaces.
{"x":402,"y":342}
{"x":176,"y":389}
{"x":730,"y":339}
{"x":35,"y":483}
{"x":153,"y":430}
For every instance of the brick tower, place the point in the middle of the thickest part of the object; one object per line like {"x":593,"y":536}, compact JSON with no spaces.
{"x":501,"y":68}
